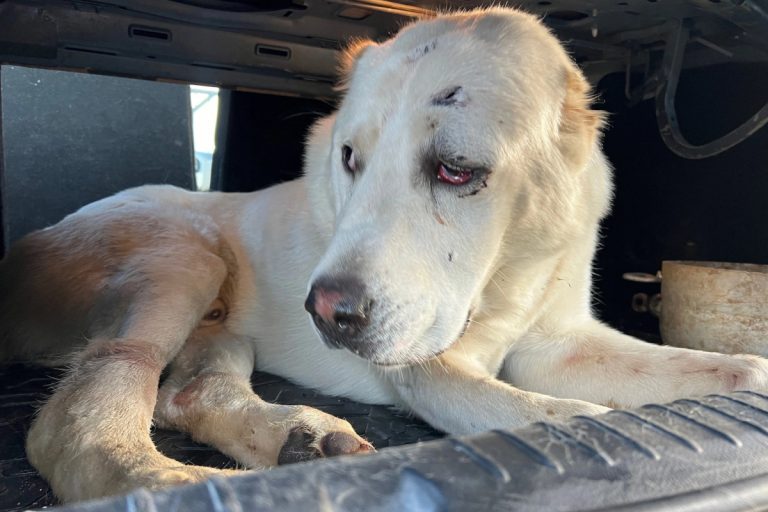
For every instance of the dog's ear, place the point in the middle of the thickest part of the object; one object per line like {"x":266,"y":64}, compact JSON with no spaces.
{"x":349,"y":58}
{"x":580,"y":126}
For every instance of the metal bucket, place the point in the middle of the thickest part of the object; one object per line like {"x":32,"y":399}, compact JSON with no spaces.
{"x":720,"y":307}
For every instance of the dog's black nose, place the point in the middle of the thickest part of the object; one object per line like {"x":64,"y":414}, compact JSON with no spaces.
{"x":341,"y":311}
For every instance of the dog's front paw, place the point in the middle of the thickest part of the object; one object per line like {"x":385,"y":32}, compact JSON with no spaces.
{"x":320,"y":435}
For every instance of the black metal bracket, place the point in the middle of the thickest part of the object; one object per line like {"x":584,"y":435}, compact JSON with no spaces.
{"x":666,"y":114}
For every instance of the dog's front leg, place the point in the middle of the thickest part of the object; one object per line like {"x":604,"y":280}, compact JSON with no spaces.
{"x":208,"y":394}
{"x":596,"y":363}
{"x":458,"y":398}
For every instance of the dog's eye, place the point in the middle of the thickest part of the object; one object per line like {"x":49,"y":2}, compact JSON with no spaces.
{"x":453,"y":176}
{"x":348,"y":159}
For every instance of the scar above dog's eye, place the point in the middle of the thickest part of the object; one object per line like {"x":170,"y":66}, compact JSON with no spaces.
{"x":451,"y":96}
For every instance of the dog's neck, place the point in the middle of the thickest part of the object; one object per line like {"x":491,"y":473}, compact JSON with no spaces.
{"x":554,"y":284}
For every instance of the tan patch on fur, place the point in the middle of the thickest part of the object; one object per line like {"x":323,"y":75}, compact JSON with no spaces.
{"x":229,"y":286}
{"x":580,"y":124}
{"x":731,"y":379}
{"x":136,"y":352}
{"x":190,"y":392}
{"x":574,"y":358}
{"x":578,"y":98}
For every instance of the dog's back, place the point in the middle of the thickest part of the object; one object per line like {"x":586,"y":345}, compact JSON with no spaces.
{"x":64,"y":284}
{"x":47,"y":292}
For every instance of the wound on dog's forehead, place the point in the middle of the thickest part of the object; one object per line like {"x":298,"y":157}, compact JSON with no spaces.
{"x":452,"y":96}
{"x":421,"y":51}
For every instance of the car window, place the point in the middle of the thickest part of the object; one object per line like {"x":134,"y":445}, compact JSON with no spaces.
{"x":205,"y":111}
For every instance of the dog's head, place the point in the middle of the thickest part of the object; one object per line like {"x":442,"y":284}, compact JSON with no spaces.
{"x":462,"y":141}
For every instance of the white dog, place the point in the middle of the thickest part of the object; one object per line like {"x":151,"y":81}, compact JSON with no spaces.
{"x":441,"y":239}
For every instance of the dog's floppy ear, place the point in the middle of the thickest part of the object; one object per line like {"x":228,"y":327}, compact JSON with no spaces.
{"x":349,"y":58}
{"x":579,"y":124}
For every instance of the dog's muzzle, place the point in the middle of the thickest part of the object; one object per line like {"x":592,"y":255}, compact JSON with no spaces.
{"x":341,"y":311}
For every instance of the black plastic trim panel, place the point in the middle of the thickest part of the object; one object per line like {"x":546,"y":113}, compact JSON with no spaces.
{"x":706,"y":454}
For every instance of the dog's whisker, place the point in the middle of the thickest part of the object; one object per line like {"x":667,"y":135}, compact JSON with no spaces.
{"x":486,"y":326}
{"x":501,"y":290}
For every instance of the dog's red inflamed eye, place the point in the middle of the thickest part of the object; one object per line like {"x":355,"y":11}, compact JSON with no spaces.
{"x":453,"y":176}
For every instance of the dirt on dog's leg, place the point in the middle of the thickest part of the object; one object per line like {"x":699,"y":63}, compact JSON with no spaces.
{"x":208,"y":394}
{"x":91,"y":438}
{"x":596,"y":363}
{"x":461,"y":399}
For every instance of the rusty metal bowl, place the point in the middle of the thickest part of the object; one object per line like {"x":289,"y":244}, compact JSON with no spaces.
{"x":720,"y":307}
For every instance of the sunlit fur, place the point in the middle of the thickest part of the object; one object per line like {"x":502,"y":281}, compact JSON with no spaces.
{"x":126,"y":286}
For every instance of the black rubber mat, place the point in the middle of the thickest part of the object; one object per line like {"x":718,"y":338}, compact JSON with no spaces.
{"x":704,"y":455}
{"x":24,"y":388}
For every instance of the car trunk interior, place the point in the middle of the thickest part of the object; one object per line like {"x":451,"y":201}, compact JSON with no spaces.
{"x":684,"y":189}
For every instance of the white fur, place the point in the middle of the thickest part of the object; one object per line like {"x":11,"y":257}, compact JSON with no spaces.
{"x":513,"y":250}
{"x":522,"y":247}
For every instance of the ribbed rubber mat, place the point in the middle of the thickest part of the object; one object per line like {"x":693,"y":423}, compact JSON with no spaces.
{"x":23,"y":388}
{"x":709,"y":454}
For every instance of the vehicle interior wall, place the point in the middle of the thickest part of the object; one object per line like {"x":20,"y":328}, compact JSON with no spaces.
{"x":2,"y":177}
{"x":667,"y":207}
{"x":261,"y":139}
{"x":72,"y":138}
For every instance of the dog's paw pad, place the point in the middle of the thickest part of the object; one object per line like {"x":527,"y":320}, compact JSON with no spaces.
{"x":341,"y":443}
{"x":298,"y":447}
